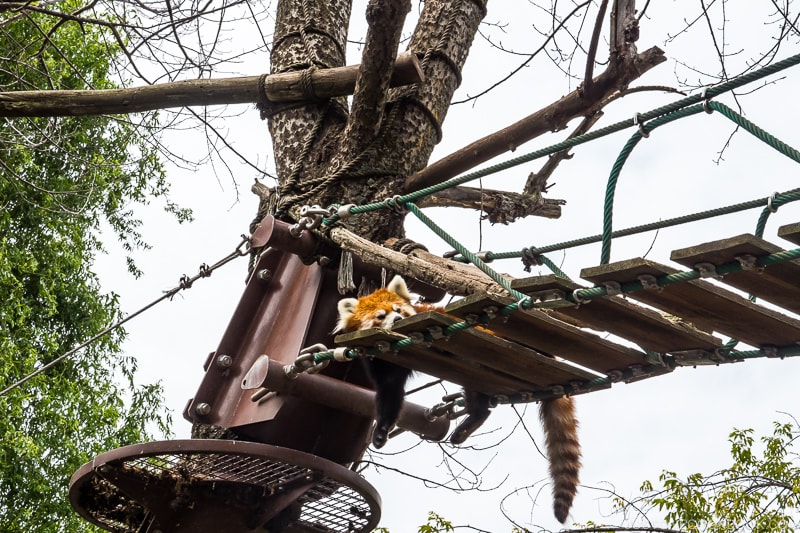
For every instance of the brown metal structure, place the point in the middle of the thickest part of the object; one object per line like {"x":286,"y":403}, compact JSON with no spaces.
{"x":315,"y":424}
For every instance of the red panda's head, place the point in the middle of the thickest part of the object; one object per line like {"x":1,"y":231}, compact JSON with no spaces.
{"x":380,"y":309}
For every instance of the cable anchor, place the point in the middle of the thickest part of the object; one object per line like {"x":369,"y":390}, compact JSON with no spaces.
{"x":305,"y":362}
{"x":310,"y":218}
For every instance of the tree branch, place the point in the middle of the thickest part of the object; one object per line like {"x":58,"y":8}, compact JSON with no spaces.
{"x":537,"y":181}
{"x":283,"y":87}
{"x":385,"y":19}
{"x":500,"y":206}
{"x":625,"y":66}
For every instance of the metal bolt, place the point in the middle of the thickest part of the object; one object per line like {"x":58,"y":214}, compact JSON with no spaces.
{"x":203,"y":409}
{"x":224,"y":361}
{"x":264,"y":274}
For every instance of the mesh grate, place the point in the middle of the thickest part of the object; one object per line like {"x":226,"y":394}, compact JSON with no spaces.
{"x":330,"y":506}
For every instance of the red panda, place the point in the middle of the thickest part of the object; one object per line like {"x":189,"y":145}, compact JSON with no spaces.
{"x":382,"y":309}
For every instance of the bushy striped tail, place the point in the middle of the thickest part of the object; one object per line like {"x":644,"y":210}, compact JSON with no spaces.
{"x":563,"y":451}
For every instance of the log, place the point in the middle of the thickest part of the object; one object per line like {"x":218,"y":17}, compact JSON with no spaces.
{"x":283,"y":87}
{"x":454,"y":277}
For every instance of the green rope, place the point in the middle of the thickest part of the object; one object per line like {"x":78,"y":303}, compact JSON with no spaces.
{"x":474,"y":259}
{"x":611,"y":187}
{"x":645,"y":130}
{"x":780,"y":199}
{"x":580,"y":139}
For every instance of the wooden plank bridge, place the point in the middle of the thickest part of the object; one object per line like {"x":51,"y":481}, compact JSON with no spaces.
{"x":559,"y":347}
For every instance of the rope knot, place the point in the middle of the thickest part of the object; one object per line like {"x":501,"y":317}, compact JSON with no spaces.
{"x":531,"y":258}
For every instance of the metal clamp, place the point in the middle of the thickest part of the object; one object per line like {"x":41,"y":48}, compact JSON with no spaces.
{"x":649,"y":282}
{"x":749,"y":262}
{"x":305,"y":362}
{"x":311,"y":218}
{"x":343,"y":211}
{"x":707,"y":270}
{"x":395,"y":204}
{"x":578,"y":299}
{"x":771,"y":203}
{"x":706,"y":101}
{"x":637,"y":121}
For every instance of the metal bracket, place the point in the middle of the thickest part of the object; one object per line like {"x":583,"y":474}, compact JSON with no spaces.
{"x":707,"y":270}
{"x":613,"y":288}
{"x":749,"y":262}
{"x":649,"y":282}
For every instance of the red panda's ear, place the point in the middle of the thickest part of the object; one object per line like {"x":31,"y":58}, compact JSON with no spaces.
{"x":346,"y":309}
{"x":399,"y":287}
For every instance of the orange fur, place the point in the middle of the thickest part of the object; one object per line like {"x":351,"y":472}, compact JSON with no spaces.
{"x":382,"y":309}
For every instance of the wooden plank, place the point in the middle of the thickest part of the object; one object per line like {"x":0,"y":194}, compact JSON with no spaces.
{"x":534,"y":328}
{"x":642,"y":326}
{"x":495,"y":352}
{"x":703,"y":304}
{"x":435,"y":363}
{"x":790,"y":232}
{"x":778,"y":283}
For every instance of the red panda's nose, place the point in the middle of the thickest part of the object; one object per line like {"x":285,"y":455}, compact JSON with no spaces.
{"x":396,"y":318}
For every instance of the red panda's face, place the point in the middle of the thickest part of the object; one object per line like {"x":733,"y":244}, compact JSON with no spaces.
{"x":380,"y":309}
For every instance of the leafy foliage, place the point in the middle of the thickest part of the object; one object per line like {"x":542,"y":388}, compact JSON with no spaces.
{"x":62,"y":181}
{"x":759,"y":493}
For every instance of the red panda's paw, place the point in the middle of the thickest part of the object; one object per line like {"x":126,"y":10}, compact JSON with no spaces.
{"x":380,"y":435}
{"x":468,"y":426}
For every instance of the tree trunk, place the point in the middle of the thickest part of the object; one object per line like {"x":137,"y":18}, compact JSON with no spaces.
{"x":323,"y":156}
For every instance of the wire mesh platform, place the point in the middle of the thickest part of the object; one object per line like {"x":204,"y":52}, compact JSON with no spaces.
{"x":221,"y":485}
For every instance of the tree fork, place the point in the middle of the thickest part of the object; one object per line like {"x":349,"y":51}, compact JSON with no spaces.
{"x":282,"y":87}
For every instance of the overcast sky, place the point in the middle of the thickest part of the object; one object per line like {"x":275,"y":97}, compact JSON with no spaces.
{"x":629,"y":433}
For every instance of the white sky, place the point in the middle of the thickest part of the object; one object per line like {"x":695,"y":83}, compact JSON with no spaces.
{"x":630,"y":432}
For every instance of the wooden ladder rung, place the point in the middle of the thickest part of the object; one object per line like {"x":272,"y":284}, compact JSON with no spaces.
{"x":487,"y":349}
{"x":640,"y":325}
{"x":534,"y":328}
{"x":702,"y":303}
{"x":778,"y":283}
{"x":790,"y":232}
{"x":435,"y":363}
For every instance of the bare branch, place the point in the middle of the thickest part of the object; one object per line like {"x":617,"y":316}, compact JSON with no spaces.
{"x":284,"y":87}
{"x":501,"y":207}
{"x":621,"y":71}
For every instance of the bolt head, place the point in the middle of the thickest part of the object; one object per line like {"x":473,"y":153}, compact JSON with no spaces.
{"x":264,"y":274}
{"x":203,"y":409}
{"x":224,"y":361}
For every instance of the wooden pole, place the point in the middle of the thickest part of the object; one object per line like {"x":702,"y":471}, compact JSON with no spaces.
{"x":284,"y":87}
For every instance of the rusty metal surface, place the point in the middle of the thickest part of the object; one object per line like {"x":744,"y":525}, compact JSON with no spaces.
{"x":279,"y":317}
{"x":341,"y":395}
{"x":218,"y":485}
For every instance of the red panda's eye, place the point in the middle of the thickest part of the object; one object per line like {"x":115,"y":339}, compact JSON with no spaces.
{"x":380,"y":315}
{"x":396,"y":308}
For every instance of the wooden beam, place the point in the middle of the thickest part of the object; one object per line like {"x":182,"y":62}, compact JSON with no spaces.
{"x":284,"y":87}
